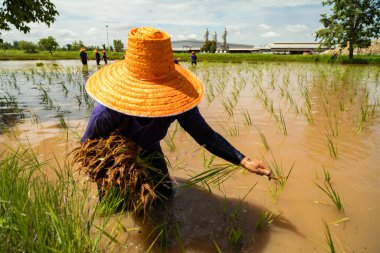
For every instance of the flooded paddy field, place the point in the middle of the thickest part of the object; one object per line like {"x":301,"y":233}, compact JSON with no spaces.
{"x":316,"y":125}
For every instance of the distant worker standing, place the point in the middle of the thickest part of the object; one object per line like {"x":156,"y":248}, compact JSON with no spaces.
{"x":83,"y":56}
{"x":193,"y":58}
{"x":104,"y":56}
{"x":97,"y":56}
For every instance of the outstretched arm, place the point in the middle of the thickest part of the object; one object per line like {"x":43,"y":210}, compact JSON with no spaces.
{"x":193,"y":122}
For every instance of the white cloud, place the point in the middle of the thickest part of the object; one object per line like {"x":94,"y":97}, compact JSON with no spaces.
{"x":297,"y":28}
{"x":270,"y":34}
{"x":92,"y":31}
{"x":264,"y":27}
{"x":85,"y":20}
{"x":191,"y":36}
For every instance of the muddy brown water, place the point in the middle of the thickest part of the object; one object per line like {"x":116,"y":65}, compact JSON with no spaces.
{"x":317,"y":102}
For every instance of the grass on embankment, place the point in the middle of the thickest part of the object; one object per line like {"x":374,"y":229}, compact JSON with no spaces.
{"x":233,"y":58}
{"x":41,"y":215}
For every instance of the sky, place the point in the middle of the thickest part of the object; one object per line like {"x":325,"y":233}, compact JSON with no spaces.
{"x":254,"y":22}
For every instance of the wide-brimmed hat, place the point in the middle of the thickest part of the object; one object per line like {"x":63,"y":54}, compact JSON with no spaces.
{"x":147,"y":82}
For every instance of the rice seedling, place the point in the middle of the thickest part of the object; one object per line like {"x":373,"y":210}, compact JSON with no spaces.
{"x":247,"y":117}
{"x":234,"y":130}
{"x":228,"y":106}
{"x":309,"y":116}
{"x":233,"y":229}
{"x":220,"y":87}
{"x":62,"y":122}
{"x":333,"y":150}
{"x":263,"y":138}
{"x":331,"y":192}
{"x":167,"y":228}
{"x":210,"y":93}
{"x":341,"y":105}
{"x":207,"y":161}
{"x":279,"y":176}
{"x":213,"y":176}
{"x":283,"y":124}
{"x":332,"y":129}
{"x":329,"y":239}
{"x":169,"y":139}
{"x":217,"y":247}
{"x":266,"y":218}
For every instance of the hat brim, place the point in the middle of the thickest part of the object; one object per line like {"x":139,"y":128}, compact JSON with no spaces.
{"x":115,"y":88}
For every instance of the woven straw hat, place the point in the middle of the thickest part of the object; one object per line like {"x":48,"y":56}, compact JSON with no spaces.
{"x":146,"y":83}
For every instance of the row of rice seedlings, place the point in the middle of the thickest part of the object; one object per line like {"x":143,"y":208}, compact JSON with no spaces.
{"x":263,"y":138}
{"x":169,"y":139}
{"x":40,"y":215}
{"x":279,"y":176}
{"x":333,"y":149}
{"x":330,"y":191}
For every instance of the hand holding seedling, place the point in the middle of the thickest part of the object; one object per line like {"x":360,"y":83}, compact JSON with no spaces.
{"x":258,"y":167}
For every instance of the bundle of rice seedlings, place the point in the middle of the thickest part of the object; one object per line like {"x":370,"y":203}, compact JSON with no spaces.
{"x":115,"y":164}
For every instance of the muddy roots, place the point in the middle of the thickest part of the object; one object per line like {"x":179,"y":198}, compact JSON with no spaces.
{"x":115,"y":163}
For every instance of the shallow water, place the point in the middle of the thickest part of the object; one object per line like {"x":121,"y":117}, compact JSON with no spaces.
{"x":315,"y":102}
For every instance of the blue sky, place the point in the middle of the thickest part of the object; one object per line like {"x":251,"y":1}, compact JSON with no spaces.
{"x":256,"y":22}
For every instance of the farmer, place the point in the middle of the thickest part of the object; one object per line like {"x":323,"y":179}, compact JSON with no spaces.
{"x":104,"y":56}
{"x":97,"y":56}
{"x":193,"y":58}
{"x":83,"y":56}
{"x":142,"y":95}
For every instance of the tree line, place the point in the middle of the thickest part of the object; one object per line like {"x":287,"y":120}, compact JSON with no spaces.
{"x":50,"y":44}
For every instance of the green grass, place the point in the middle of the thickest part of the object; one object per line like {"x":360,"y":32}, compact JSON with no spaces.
{"x":39,"y":214}
{"x":233,"y":58}
{"x":57,"y":55}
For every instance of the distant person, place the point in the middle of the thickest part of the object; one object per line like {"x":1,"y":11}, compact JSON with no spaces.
{"x":83,"y":56}
{"x":176,"y":60}
{"x":97,"y":56}
{"x":104,"y":56}
{"x":193,"y":59}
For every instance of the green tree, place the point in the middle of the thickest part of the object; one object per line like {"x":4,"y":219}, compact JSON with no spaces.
{"x":118,"y":45}
{"x":77,"y":45}
{"x":48,"y":43}
{"x":27,"y":46}
{"x":209,"y":46}
{"x":351,"y":22}
{"x":22,"y":12}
